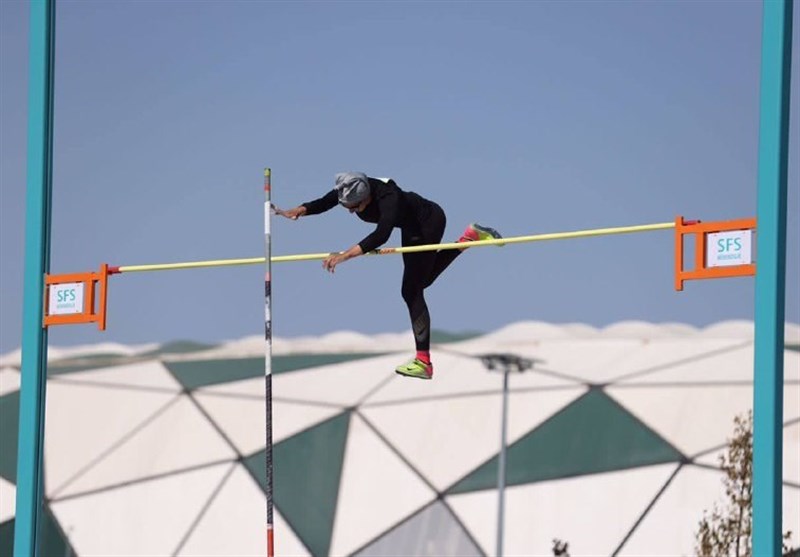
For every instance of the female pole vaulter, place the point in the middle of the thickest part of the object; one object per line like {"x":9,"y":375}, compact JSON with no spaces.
{"x":380,"y":201}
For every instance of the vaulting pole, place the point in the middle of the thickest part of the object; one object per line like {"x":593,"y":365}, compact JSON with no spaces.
{"x":268,"y":353}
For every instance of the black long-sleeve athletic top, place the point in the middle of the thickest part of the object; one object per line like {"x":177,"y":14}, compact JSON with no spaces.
{"x":390,"y":208}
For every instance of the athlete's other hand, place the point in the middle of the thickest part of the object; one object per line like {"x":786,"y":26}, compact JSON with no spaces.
{"x":291,"y":213}
{"x":333,"y":260}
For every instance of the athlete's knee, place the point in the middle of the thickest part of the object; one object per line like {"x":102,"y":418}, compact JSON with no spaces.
{"x":411,"y":291}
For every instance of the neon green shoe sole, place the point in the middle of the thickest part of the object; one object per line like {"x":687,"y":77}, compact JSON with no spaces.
{"x":415,"y":368}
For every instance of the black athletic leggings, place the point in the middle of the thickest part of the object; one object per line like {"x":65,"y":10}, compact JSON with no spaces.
{"x":421,"y":269}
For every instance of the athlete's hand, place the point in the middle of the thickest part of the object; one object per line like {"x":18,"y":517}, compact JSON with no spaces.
{"x":333,"y":260}
{"x":291,"y":213}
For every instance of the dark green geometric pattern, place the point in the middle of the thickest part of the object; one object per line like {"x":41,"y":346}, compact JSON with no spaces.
{"x":178,"y":347}
{"x":96,"y":361}
{"x":51,"y":538}
{"x":307,"y":471}
{"x":593,"y":434}
{"x":443,"y":337}
{"x":280,"y":364}
{"x":203,"y":373}
{"x":294,"y":362}
{"x":87,"y":363}
{"x":9,"y":424}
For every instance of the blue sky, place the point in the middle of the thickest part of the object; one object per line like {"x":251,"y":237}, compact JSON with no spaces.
{"x":527,"y":116}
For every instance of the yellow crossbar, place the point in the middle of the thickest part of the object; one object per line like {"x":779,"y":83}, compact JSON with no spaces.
{"x":408,"y":249}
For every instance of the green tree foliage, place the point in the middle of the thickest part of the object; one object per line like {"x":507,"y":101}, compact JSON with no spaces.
{"x":726,"y":530}
{"x":560,"y":548}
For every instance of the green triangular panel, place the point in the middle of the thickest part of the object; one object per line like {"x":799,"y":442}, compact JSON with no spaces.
{"x":283,"y":364}
{"x":593,"y":434}
{"x":7,"y":538}
{"x":179,"y":347}
{"x":96,"y":361}
{"x":307,"y":470}
{"x":443,"y":337}
{"x":86,"y":363}
{"x":203,"y":373}
{"x":51,"y":538}
{"x":9,"y":424}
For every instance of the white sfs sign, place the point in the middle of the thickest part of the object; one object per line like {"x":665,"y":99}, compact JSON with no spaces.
{"x":65,"y":298}
{"x":725,"y":249}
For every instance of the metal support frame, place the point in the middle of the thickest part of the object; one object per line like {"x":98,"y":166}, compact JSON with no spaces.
{"x":770,"y":295}
{"x":33,"y":384}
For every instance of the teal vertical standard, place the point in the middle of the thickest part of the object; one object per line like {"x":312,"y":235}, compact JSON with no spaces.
{"x":37,"y":262}
{"x":773,"y":152}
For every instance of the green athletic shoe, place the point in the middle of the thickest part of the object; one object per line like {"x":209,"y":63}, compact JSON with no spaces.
{"x":476,"y":233}
{"x":416,"y":368}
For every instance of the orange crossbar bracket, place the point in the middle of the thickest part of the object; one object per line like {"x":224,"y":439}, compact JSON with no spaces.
{"x":701,"y":230}
{"x":70,"y":299}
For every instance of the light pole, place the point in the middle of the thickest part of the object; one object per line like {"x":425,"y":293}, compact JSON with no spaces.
{"x":505,"y":363}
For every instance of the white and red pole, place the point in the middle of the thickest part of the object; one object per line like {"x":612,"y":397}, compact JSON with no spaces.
{"x":268,"y":355}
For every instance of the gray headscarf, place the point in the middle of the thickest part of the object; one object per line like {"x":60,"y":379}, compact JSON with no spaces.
{"x":352,"y":187}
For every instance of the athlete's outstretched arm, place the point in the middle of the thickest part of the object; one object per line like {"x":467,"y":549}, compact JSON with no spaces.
{"x":293,"y":214}
{"x":324,"y":203}
{"x":389,"y":208}
{"x":390,"y":214}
